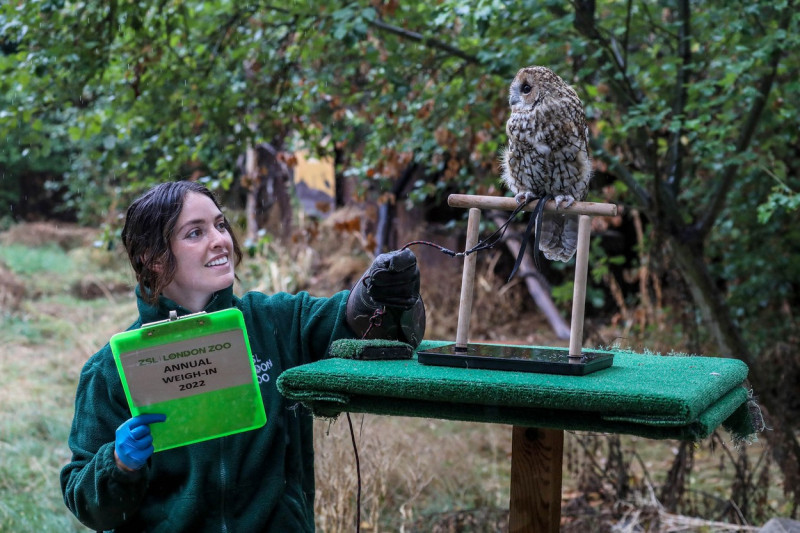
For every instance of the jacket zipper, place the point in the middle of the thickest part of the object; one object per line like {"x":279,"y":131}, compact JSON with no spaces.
{"x":223,"y":479}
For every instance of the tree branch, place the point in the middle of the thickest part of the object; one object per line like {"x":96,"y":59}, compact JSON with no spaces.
{"x":586,"y":25}
{"x":627,"y":34}
{"x":427,"y":41}
{"x":675,"y":156}
{"x":700,"y":229}
{"x":665,"y":192}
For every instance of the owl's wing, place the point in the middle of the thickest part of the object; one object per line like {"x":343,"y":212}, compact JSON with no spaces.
{"x":564,"y":129}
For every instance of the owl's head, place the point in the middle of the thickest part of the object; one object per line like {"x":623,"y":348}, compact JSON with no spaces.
{"x":531,"y":85}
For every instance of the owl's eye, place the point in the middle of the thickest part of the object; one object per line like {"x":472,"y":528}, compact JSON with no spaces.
{"x":526,"y":88}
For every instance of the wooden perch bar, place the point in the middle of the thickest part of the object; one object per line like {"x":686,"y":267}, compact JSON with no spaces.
{"x":505,"y":203}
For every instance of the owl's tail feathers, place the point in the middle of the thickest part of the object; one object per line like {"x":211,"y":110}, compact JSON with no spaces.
{"x":559,"y":237}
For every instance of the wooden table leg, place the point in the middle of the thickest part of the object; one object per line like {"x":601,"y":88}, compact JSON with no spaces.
{"x":536,"y":457}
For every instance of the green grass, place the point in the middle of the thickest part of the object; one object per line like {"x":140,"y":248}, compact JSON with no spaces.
{"x":27,"y":261}
{"x":30,"y":492}
{"x":36,"y":414}
{"x":44,"y":345}
{"x":44,"y":269}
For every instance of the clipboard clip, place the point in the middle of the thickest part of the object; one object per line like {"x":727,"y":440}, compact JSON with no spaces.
{"x":173,"y":317}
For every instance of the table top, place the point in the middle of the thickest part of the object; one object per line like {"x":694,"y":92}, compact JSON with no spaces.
{"x":651,"y":395}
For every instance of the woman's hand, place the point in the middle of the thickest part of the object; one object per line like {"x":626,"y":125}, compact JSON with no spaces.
{"x":134,"y":443}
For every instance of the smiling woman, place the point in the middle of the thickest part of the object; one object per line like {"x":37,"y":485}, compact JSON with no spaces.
{"x":184,"y":253}
{"x":203,"y":244}
{"x":174,"y":219}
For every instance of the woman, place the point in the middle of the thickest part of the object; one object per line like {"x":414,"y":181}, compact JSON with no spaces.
{"x":183,"y":253}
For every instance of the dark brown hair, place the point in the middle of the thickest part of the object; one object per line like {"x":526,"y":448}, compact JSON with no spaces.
{"x":149,"y":225}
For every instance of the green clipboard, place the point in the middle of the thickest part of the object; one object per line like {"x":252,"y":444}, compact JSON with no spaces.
{"x":198,"y":370}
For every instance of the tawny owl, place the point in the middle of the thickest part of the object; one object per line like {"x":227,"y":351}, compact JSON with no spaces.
{"x":547,"y":153}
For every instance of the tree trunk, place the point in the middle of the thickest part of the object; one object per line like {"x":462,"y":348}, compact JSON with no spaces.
{"x":274,"y":187}
{"x":250,"y":208}
{"x":709,"y":300}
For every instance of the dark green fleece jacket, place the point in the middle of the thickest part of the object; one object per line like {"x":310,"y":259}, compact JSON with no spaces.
{"x":259,"y":480}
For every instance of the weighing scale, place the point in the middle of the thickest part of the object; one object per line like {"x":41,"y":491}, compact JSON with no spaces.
{"x":574,"y":361}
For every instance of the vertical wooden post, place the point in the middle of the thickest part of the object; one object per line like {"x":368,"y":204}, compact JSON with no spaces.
{"x":536,"y":459}
{"x":579,"y":289}
{"x":467,"y":281}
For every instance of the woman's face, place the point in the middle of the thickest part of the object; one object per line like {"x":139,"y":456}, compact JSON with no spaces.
{"x":203,"y":251}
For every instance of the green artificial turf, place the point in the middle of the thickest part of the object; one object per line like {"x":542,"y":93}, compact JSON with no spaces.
{"x":655,"y":396}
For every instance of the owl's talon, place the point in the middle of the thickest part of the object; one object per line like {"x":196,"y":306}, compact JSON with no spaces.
{"x":566,"y":199}
{"x":523,"y":198}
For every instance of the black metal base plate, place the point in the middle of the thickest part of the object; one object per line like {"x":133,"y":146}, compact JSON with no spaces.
{"x":516,"y":358}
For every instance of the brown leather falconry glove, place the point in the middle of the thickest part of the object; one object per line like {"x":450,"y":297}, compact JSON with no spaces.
{"x":385,"y":303}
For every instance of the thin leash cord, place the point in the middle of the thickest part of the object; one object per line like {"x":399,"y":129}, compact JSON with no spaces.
{"x":497,"y":236}
{"x":375,"y":320}
{"x":489,"y":242}
{"x":358,"y":473}
{"x":485,"y":244}
{"x":536,"y":219}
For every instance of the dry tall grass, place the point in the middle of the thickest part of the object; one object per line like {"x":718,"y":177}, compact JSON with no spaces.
{"x":414,"y":472}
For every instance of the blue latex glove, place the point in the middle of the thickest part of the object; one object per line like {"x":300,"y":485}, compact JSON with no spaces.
{"x":134,"y":443}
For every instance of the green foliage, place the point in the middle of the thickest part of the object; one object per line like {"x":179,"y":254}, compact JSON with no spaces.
{"x":115,"y":95}
{"x":781,"y":198}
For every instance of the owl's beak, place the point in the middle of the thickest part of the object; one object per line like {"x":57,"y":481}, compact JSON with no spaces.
{"x":513,"y":100}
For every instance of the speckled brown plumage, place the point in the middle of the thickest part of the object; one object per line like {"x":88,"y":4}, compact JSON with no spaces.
{"x":547,"y":153}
